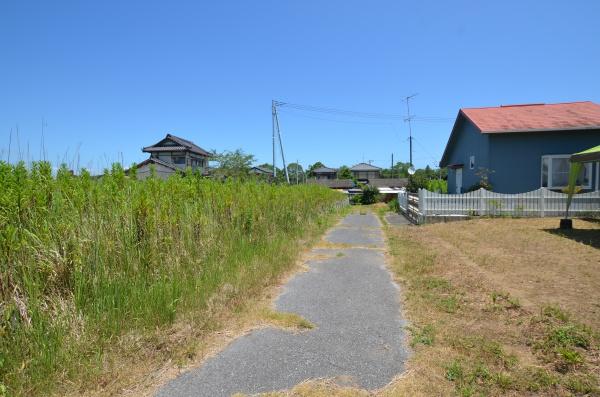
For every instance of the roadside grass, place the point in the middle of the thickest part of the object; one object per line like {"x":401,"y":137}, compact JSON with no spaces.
{"x":104,"y":280}
{"x":285,"y":319}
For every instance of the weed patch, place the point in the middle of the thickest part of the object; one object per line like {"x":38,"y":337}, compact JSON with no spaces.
{"x":91,"y":266}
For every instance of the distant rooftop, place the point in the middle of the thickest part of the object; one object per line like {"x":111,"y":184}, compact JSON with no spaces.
{"x":180,"y":145}
{"x":324,"y":170}
{"x":364,"y":167}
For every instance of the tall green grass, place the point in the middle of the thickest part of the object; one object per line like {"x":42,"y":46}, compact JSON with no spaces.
{"x":85,"y":260}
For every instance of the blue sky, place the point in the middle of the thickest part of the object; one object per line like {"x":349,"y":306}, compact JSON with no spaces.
{"x":109,"y":77}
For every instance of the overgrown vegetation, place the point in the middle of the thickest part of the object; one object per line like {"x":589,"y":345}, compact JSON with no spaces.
{"x":85,"y":261}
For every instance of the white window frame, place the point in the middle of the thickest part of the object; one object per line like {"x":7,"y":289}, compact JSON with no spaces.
{"x":598,"y":176}
{"x":472,"y":162}
{"x":561,"y":156}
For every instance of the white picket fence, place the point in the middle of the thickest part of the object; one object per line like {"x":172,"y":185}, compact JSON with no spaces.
{"x":538,"y":203}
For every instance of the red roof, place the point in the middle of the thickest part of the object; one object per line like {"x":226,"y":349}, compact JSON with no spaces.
{"x":535,"y":117}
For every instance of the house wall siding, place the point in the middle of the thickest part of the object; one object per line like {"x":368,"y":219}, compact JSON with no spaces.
{"x":516,"y":158}
{"x":366,"y":174}
{"x":467,"y":142}
{"x":162,"y":172}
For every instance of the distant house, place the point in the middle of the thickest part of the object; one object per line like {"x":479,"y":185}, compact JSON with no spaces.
{"x":337,"y":184}
{"x":364,"y":172}
{"x":388,"y":182}
{"x":172,"y":154}
{"x":325,"y":173}
{"x":261,"y":171}
{"x":522,"y":147}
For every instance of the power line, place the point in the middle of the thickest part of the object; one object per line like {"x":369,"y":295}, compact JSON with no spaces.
{"x":329,"y":110}
{"x":353,"y":113}
{"x":291,"y":112}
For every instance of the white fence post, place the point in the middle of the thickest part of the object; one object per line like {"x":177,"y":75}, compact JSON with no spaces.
{"x":482,"y":208}
{"x":542,"y":202}
{"x":422,"y":207}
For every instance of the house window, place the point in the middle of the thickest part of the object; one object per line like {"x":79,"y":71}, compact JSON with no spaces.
{"x":472,"y":162}
{"x":555,"y":172}
{"x":178,"y":159}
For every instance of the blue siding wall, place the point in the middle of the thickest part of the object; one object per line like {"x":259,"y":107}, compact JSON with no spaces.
{"x":517,"y":158}
{"x":468,"y":141}
{"x":514,"y":158}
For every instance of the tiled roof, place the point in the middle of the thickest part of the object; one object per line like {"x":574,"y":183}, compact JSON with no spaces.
{"x":184,"y":144}
{"x":535,"y":117}
{"x":334,"y":183}
{"x":164,"y":148}
{"x":261,"y":169}
{"x":364,"y":167}
{"x":388,"y":182}
{"x":324,"y":170}
{"x":156,"y":161}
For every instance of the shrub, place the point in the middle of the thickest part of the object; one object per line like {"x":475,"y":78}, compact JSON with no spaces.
{"x":369,"y":195}
{"x":437,"y":185}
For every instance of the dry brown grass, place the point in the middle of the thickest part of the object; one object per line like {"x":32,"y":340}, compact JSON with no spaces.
{"x":496,"y":307}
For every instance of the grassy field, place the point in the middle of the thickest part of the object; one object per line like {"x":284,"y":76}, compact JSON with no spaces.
{"x":99,"y":274}
{"x":495,"y":307}
{"x":500,"y":306}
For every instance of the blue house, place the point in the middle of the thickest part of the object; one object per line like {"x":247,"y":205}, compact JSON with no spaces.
{"x":521,"y":148}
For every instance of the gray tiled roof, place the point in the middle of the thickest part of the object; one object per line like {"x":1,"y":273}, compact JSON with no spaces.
{"x":388,"y":182}
{"x":184,"y":145}
{"x":364,"y":167}
{"x":334,"y":183}
{"x":261,"y":169}
{"x":156,"y":161}
{"x":324,"y":170}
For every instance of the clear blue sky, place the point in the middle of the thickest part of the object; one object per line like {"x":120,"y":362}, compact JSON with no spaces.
{"x":111,"y":77}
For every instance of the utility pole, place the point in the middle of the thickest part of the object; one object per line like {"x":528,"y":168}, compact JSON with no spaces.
{"x":409,"y":118}
{"x":392,"y":168}
{"x":273,"y":123}
{"x":276,"y":127}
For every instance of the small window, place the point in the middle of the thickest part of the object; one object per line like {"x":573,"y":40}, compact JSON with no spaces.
{"x":555,"y":172}
{"x":178,"y":159}
{"x":472,"y":162}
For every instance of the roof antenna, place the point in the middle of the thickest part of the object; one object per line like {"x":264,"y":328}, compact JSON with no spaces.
{"x":409,"y":118}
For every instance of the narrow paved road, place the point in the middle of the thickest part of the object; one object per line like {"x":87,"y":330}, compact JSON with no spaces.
{"x":354,"y":304}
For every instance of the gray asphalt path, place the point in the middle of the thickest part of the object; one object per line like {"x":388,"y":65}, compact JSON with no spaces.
{"x":358,"y":334}
{"x":396,"y":219}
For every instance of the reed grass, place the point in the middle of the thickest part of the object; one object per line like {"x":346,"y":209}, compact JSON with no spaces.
{"x":84,"y":260}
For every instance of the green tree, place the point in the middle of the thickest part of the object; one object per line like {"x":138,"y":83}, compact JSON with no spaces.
{"x":234,"y":164}
{"x":399,"y":170}
{"x":344,"y":173}
{"x":296,"y":172}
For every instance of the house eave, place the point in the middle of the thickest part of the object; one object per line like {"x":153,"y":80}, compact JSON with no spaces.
{"x":516,"y":131}
{"x":444,"y":160}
